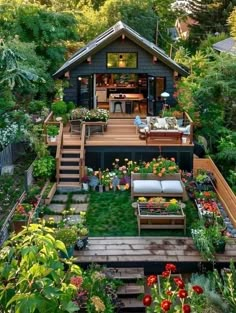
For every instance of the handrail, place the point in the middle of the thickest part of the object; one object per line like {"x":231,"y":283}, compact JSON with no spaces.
{"x":58,"y":151}
{"x":48,"y":118}
{"x":82,"y":151}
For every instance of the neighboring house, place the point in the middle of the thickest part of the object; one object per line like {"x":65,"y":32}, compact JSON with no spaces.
{"x":227,"y":45}
{"x":182,"y":26}
{"x":120,"y":61}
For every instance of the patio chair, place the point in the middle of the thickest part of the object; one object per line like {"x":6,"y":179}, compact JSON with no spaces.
{"x":75,"y":126}
{"x":140,"y":124}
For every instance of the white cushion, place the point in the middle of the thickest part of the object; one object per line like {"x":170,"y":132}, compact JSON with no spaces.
{"x":147,"y":186}
{"x":171,"y":186}
{"x":185,"y":130}
{"x":162,"y":122}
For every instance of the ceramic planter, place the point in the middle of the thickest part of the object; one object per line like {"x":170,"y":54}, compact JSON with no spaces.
{"x":81,"y":243}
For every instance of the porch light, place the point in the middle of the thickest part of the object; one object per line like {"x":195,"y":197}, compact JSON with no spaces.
{"x":154,"y":59}
{"x":165,"y":95}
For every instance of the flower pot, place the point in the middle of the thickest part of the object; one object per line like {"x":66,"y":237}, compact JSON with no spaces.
{"x":107,"y":188}
{"x":220,"y":246}
{"x":85,"y":186}
{"x":81,"y":243}
{"x":100,"y":188}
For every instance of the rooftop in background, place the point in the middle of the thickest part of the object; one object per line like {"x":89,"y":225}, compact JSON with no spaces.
{"x":227,"y":45}
{"x":182,"y":26}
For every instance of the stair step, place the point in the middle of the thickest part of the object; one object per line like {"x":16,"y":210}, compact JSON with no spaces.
{"x":128,"y":273}
{"x":70,"y":151}
{"x":69,"y":168}
{"x":130,"y":289}
{"x":64,"y":159}
{"x":69,"y":175}
{"x":132,"y":303}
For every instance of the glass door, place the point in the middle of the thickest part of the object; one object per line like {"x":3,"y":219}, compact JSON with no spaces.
{"x":85,"y":91}
{"x":151,"y":95}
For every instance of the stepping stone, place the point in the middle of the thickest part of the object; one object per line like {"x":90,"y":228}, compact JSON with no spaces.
{"x":80,"y":198}
{"x":57,"y":218}
{"x":79,"y":207}
{"x":60,"y":198}
{"x":55,"y":207}
{"x":73,"y":219}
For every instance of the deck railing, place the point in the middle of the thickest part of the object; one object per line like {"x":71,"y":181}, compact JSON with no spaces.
{"x":58,"y":152}
{"x":225,"y":193}
{"x":82,"y":152}
{"x":188,"y":121}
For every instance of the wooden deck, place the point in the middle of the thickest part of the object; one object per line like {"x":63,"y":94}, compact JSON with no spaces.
{"x":120,"y":132}
{"x":147,"y":251}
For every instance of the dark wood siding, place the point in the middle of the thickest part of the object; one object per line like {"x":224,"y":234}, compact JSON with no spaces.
{"x":98,"y":65}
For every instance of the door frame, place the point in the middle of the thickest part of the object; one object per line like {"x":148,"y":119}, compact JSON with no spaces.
{"x":89,"y":101}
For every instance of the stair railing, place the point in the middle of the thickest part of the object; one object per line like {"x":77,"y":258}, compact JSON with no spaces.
{"x":58,"y":151}
{"x":188,"y":120}
{"x":82,"y":152}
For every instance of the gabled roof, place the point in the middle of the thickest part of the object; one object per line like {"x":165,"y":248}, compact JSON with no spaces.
{"x":227,"y":45}
{"x":110,"y":35}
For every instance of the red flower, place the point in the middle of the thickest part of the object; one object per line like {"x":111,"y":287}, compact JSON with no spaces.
{"x":152,"y":279}
{"x":182,"y":293}
{"x":147,"y":300}
{"x":170,"y":267}
{"x":198,"y":289}
{"x":165,"y":274}
{"x":186,"y":308}
{"x":165,"y":305}
{"x":179,"y":282}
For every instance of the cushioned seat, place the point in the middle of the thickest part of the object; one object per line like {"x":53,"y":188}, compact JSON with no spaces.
{"x":171,"y":186}
{"x":150,"y":186}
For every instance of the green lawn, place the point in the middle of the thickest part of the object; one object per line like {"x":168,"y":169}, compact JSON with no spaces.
{"x":111,"y":214}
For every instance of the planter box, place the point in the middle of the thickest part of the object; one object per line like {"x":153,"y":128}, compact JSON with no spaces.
{"x":17,"y":226}
{"x":50,"y":195}
{"x":164,"y":220}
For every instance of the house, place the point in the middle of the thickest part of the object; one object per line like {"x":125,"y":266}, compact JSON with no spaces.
{"x":182,"y":26}
{"x":120,"y":61}
{"x":128,"y":75}
{"x":227,"y":45}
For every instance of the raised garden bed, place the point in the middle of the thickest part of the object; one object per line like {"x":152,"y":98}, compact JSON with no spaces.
{"x":159,"y":218}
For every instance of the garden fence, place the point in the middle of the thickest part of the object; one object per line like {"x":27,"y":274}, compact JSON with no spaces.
{"x":4,"y":232}
{"x":11,"y":153}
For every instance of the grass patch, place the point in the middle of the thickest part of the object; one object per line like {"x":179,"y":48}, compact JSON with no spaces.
{"x":111,"y":214}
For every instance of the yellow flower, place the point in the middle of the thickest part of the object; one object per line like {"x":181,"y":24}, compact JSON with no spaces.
{"x":98,"y":303}
{"x":173,"y":201}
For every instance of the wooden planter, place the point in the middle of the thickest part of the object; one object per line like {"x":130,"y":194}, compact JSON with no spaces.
{"x":161,"y":221}
{"x":50,"y":194}
{"x":17,"y":226}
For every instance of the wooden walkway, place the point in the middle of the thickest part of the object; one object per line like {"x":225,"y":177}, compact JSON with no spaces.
{"x":140,"y":250}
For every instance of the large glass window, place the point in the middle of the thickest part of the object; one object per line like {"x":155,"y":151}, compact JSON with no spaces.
{"x":122,"y":60}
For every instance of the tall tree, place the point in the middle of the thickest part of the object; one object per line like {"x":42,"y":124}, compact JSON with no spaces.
{"x":211,"y":17}
{"x":232,"y":23}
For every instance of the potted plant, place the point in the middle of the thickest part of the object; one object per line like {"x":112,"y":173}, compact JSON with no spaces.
{"x":123,"y":184}
{"x":69,"y":237}
{"x":21,"y":216}
{"x":52,"y":131}
{"x":85,"y":182}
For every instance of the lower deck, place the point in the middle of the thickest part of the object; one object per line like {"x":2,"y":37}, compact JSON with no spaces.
{"x":150,"y":253}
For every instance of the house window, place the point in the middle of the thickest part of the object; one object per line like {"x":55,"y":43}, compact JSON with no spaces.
{"x":122,"y":60}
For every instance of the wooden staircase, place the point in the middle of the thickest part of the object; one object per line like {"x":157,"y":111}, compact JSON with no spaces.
{"x":130,"y":294}
{"x":70,"y":160}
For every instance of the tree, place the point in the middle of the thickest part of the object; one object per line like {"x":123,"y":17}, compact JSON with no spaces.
{"x":50,"y":31}
{"x":232,"y":23}
{"x":211,"y":17}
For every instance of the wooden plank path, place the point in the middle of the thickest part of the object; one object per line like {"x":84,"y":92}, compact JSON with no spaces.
{"x":146,"y":249}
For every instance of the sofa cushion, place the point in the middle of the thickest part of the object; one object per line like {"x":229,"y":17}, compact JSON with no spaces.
{"x":147,"y":186}
{"x":171,"y":186}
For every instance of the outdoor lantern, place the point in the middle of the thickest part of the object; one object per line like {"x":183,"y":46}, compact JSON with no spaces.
{"x":165,"y":95}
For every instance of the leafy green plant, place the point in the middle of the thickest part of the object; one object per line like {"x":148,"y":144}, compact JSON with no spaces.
{"x":44,"y":167}
{"x":59,"y":108}
{"x":32,"y":276}
{"x":52,"y":130}
{"x":226,"y":283}
{"x":67,"y":235}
